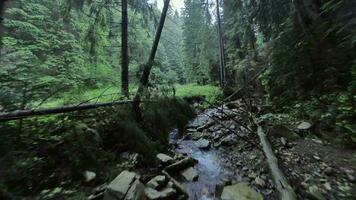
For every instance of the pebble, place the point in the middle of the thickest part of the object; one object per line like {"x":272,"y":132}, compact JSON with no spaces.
{"x":260,"y":182}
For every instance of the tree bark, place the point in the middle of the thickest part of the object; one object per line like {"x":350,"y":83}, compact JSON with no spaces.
{"x":124,"y":51}
{"x":148,"y":66}
{"x":285,"y":191}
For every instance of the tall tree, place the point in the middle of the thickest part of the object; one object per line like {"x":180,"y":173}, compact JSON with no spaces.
{"x":124,"y":50}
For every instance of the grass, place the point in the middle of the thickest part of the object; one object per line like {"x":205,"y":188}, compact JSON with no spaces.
{"x":112,"y":93}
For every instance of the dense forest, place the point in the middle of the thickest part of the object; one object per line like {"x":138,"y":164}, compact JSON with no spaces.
{"x":177,"y":99}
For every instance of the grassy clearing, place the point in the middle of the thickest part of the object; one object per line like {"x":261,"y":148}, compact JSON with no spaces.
{"x":113,"y":93}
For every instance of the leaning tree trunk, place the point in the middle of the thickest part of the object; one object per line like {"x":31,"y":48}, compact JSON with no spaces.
{"x":124,"y":51}
{"x":148,"y":66}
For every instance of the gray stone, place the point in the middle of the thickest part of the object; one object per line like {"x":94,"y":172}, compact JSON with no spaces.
{"x":202,"y":144}
{"x":136,"y":191}
{"x":120,"y":186}
{"x":166,"y":193}
{"x":89,"y":176}
{"x":190,"y":174}
{"x":157,"y":182}
{"x":240,"y":191}
{"x":164,"y":158}
{"x":304,"y":126}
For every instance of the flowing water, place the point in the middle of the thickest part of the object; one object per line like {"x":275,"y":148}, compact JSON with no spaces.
{"x":210,"y":165}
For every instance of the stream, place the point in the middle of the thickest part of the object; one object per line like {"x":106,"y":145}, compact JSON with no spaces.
{"x":210,"y":165}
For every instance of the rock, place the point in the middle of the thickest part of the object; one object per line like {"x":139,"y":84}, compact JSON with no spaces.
{"x":190,"y":174}
{"x":120,"y":186}
{"x":260,"y":182}
{"x":328,"y":171}
{"x":180,"y":165}
{"x":166,"y":193}
{"x":202,"y":144}
{"x":315,"y":193}
{"x":228,"y":140}
{"x":316,"y":157}
{"x":240,"y":191}
{"x":327,"y":186}
{"x":89,"y":176}
{"x":163,"y":158}
{"x":283,"y":141}
{"x":304,"y":126}
{"x":157,"y":182}
{"x":252,"y":175}
{"x":136,"y":191}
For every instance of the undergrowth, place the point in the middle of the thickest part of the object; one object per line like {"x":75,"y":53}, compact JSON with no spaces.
{"x":47,"y":153}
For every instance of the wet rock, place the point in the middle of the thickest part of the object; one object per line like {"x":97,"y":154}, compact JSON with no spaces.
{"x":89,"y":176}
{"x":165,"y":159}
{"x":180,"y":165}
{"x":157,"y":182}
{"x":228,"y":140}
{"x":240,"y":191}
{"x":166,"y":193}
{"x":189,"y":130}
{"x":315,"y":193}
{"x":120,"y":186}
{"x":202,"y":144}
{"x":190,"y":174}
{"x":304,"y":126}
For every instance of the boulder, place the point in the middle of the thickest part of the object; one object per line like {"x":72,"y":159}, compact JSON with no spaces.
{"x":165,"y":159}
{"x":125,"y":186}
{"x":180,"y":165}
{"x":190,"y":174}
{"x":136,"y":191}
{"x":157,"y":182}
{"x":89,"y":176}
{"x":240,"y":191}
{"x":166,"y":193}
{"x":202,"y":144}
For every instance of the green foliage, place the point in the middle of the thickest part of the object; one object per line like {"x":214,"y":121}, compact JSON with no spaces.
{"x":52,"y":152}
{"x":310,"y":50}
{"x":199,"y":43}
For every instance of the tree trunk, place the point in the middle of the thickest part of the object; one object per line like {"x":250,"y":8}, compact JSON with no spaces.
{"x":124,"y":51}
{"x":283,"y":187}
{"x":221,"y":47}
{"x":148,"y":66}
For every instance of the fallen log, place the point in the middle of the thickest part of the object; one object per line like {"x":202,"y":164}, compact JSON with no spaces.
{"x":58,"y":110}
{"x":285,"y":191}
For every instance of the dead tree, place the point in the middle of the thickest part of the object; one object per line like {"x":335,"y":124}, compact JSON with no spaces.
{"x":124,"y":50}
{"x":148,"y":66}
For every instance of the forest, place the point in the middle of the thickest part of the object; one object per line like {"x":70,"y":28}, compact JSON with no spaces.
{"x":178,"y":99}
